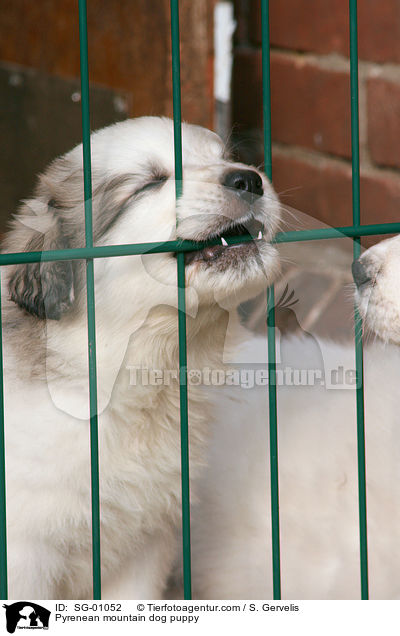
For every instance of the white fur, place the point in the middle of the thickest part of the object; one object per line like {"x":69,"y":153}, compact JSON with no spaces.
{"x":231,"y":529}
{"x":46,"y":383}
{"x":379,"y":300}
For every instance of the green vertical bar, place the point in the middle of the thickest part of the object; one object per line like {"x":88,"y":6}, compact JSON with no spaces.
{"x":355,"y":151}
{"x":3,"y":511}
{"x":266,"y":87}
{"x":273,"y":421}
{"x":273,"y":442}
{"x":176,"y":92}
{"x":176,"y":96}
{"x":87,"y":177}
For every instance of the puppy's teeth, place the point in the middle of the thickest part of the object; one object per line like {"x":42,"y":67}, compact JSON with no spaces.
{"x":259,"y":235}
{"x":224,"y":242}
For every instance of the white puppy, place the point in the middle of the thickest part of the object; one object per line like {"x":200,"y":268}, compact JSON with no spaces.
{"x":319,"y":523}
{"x":45,"y":352}
{"x":377,"y":275}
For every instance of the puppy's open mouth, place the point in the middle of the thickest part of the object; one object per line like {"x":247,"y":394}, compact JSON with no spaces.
{"x":212,"y":253}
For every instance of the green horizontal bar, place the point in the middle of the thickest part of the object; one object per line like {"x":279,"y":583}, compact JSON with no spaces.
{"x":132,"y":249}
{"x":107,"y":251}
{"x":351,"y":231}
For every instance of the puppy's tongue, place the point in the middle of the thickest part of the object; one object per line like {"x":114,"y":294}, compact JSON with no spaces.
{"x":207,"y":254}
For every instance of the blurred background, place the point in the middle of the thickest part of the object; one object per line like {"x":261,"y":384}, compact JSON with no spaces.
{"x":130,"y":72}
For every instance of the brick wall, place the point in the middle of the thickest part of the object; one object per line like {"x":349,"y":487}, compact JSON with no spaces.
{"x":130,"y":75}
{"x":311,"y":104}
{"x":129,"y":49}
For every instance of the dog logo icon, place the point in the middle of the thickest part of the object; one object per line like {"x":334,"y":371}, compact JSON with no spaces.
{"x":26,"y":615}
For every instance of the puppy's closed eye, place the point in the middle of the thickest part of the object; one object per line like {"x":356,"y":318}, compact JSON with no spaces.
{"x":156,"y":182}
{"x":116,"y":197}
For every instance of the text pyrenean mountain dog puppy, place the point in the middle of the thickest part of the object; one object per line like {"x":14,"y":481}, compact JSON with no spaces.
{"x":318,"y":474}
{"x":45,"y":351}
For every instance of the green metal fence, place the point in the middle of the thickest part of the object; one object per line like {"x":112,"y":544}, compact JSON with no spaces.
{"x":90,"y":252}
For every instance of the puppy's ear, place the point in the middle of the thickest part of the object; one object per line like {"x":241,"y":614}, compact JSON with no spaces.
{"x":44,"y":289}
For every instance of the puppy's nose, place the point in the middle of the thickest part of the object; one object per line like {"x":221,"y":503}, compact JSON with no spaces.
{"x":360,"y":274}
{"x":246,"y":180}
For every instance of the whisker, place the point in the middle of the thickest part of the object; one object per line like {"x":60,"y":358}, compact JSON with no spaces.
{"x":293,"y":189}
